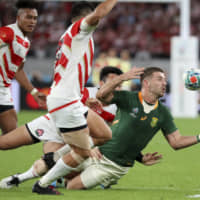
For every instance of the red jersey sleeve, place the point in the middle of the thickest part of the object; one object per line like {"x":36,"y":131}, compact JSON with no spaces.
{"x":6,"y":35}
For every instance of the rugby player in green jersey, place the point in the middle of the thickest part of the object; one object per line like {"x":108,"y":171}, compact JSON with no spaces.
{"x":139,"y":117}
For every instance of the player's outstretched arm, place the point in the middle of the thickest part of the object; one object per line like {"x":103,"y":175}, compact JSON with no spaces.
{"x":178,"y":141}
{"x":105,"y":93}
{"x":101,"y":11}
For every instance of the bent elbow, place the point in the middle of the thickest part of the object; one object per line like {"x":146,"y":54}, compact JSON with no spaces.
{"x":175,"y":147}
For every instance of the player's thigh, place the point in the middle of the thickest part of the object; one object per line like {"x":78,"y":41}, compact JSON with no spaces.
{"x":16,"y":138}
{"x":8,"y":120}
{"x":97,"y":126}
{"x":51,"y":146}
{"x":77,"y":138}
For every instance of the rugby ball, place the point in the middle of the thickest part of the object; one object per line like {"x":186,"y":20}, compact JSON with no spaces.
{"x":192,"y":79}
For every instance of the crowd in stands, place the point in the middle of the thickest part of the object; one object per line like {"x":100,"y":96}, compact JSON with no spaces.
{"x":144,"y":29}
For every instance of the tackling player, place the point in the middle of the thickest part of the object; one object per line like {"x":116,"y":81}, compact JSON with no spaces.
{"x":72,"y":70}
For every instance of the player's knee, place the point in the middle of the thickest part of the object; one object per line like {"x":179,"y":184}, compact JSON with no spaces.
{"x":79,"y":157}
{"x":40,"y":167}
{"x":48,"y":159}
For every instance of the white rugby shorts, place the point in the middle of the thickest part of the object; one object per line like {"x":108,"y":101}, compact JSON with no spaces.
{"x":67,"y":115}
{"x":43,"y":129}
{"x":101,"y":172}
{"x":5,"y":96}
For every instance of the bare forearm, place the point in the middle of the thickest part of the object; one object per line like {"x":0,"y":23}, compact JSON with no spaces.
{"x":185,"y":141}
{"x":22,"y":78}
{"x":105,"y":92}
{"x":104,"y":8}
{"x":101,"y":11}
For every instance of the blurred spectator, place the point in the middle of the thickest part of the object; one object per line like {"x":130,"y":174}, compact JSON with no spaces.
{"x":112,"y":59}
{"x":142,"y":28}
{"x":100,"y":62}
{"x":125,"y":65}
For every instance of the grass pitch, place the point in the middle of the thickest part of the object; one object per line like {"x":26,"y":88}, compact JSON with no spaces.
{"x":174,"y":178}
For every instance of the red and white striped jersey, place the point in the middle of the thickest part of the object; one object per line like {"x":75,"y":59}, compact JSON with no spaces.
{"x":108,"y":112}
{"x":74,"y":61}
{"x":14,"y":47}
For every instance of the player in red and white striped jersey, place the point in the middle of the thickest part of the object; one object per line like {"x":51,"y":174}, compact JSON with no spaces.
{"x":72,"y":69}
{"x":107,"y":112}
{"x":14,"y":46}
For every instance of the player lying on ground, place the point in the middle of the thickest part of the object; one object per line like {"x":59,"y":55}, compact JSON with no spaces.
{"x":140,"y":116}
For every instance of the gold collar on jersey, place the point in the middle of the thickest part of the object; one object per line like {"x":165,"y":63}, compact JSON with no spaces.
{"x":141,"y":100}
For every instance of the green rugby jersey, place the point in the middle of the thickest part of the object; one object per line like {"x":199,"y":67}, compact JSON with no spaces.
{"x":132,"y":128}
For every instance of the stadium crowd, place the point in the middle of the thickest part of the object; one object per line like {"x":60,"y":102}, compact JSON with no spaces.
{"x":148,"y":32}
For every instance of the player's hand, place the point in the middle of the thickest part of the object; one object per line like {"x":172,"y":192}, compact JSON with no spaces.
{"x":96,"y":154}
{"x":151,"y":158}
{"x":94,"y":104}
{"x":133,"y":73}
{"x":40,"y":98}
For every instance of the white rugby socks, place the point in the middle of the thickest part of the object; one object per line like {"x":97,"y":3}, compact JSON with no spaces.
{"x":29,"y":174}
{"x":60,"y":169}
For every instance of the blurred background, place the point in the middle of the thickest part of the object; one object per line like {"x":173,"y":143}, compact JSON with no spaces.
{"x":133,"y":34}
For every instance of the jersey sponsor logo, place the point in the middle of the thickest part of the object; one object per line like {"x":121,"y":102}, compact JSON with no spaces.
{"x":143,"y":118}
{"x":154,"y":122}
{"x":134,"y":112}
{"x":39,"y":132}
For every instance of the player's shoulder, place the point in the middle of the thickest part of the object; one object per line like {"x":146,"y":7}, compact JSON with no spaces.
{"x":17,"y":32}
{"x":81,"y":27}
{"x":6,"y":33}
{"x":13,"y":27}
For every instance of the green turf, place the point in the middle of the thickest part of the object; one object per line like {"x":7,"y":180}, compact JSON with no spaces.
{"x":176,"y":176}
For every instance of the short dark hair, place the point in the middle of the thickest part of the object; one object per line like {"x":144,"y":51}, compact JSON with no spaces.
{"x":26,"y":4}
{"x":79,"y":8}
{"x":149,"y":71}
{"x":109,"y":70}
